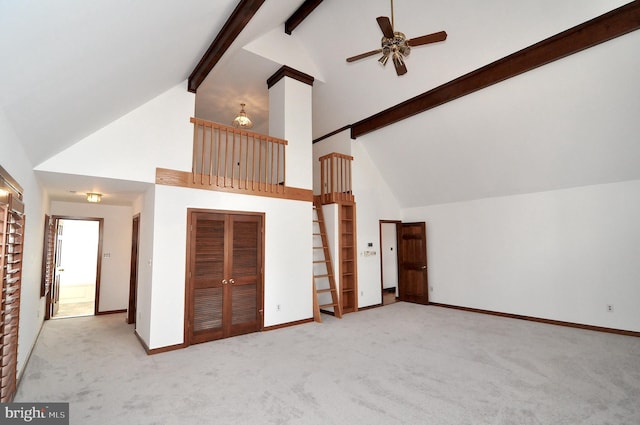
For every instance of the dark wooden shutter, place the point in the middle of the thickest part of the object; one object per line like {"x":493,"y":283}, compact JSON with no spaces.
{"x":11,"y":238}
{"x":47,"y":256}
{"x":245,"y":272}
{"x":208,"y":272}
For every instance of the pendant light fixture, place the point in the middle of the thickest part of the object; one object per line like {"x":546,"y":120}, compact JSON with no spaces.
{"x":242,"y":120}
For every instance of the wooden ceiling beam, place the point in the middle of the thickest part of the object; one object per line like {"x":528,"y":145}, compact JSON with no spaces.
{"x":300,"y":15}
{"x":240,"y":17}
{"x":605,"y":27}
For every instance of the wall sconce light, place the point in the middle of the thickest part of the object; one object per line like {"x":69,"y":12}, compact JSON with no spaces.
{"x":242,"y":120}
{"x":94,"y":197}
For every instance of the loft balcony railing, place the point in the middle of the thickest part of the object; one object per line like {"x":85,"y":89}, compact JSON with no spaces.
{"x":335,"y":179}
{"x":230,"y":158}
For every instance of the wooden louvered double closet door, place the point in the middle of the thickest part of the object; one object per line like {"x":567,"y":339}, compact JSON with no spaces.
{"x":224,"y":288}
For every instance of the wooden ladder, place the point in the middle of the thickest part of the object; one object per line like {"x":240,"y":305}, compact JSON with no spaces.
{"x":324,"y":283}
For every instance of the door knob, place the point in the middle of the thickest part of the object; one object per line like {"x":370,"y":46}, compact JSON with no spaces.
{"x":224,"y":281}
{"x":231,"y":281}
{"x":423,"y":267}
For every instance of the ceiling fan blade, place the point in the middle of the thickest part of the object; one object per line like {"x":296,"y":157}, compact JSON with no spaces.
{"x":385,"y":26}
{"x":364,"y":55}
{"x":398,"y":62}
{"x":426,"y":39}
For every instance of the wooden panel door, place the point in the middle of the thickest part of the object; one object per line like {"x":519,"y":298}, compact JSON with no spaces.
{"x":224,"y":296}
{"x":413,"y":285}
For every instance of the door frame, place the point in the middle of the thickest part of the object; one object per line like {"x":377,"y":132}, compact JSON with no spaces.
{"x":56,"y":219}
{"x":133,"y":275}
{"x":188,"y":307}
{"x":380,"y":223}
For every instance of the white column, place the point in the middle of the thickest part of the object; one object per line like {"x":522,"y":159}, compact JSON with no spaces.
{"x":290,"y":97}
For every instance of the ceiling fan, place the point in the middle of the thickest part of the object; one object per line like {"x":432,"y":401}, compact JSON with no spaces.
{"x":395,"y":44}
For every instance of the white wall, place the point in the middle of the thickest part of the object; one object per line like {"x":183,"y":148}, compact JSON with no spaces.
{"x":145,"y":206}
{"x":562,"y":255}
{"x":288,"y":257}
{"x":116,"y":243}
{"x":157,"y":134}
{"x":375,"y":202}
{"x":36,"y":201}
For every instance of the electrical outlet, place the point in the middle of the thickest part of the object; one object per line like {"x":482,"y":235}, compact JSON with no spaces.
{"x":610,"y":308}
{"x":431,"y":288}
{"x":278,"y":307}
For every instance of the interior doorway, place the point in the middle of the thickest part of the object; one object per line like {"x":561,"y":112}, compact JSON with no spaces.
{"x":76,"y":284}
{"x":403,"y":262}
{"x":413,"y":280}
{"x":389,"y":261}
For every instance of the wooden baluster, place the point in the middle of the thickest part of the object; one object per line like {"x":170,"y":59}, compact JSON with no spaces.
{"x":253,"y":166}
{"x":260,"y":165}
{"x":211,"y":145}
{"x":278,"y":168}
{"x":240,"y":162}
{"x":202,"y":154}
{"x":272,"y":147}
{"x":194,"y":158}
{"x":350,"y":182}
{"x":284,"y":168}
{"x":332,"y":185}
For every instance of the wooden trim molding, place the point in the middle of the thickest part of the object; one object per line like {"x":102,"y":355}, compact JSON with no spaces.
{"x":151,"y":351}
{"x":240,"y":17}
{"x":300,"y":15}
{"x":286,"y":71}
{"x":541,"y":320}
{"x":101,"y":313}
{"x":605,"y":27}
{"x":288,"y":324}
{"x":6,"y":179}
{"x":185,"y":179}
{"x":333,"y":133}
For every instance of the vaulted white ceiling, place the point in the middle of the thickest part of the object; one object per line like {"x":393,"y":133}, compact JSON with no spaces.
{"x":71,"y":67}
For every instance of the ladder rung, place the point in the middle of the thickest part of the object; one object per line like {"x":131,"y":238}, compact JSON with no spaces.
{"x":328,"y":305}
{"x":320,"y":261}
{"x":323,"y":291}
{"x":321,"y":275}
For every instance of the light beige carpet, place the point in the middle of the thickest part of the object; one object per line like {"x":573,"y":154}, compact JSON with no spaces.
{"x":398,"y":364}
{"x":75,"y":309}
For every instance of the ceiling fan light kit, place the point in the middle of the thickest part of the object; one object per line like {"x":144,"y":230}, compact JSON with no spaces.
{"x":396,"y":45}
